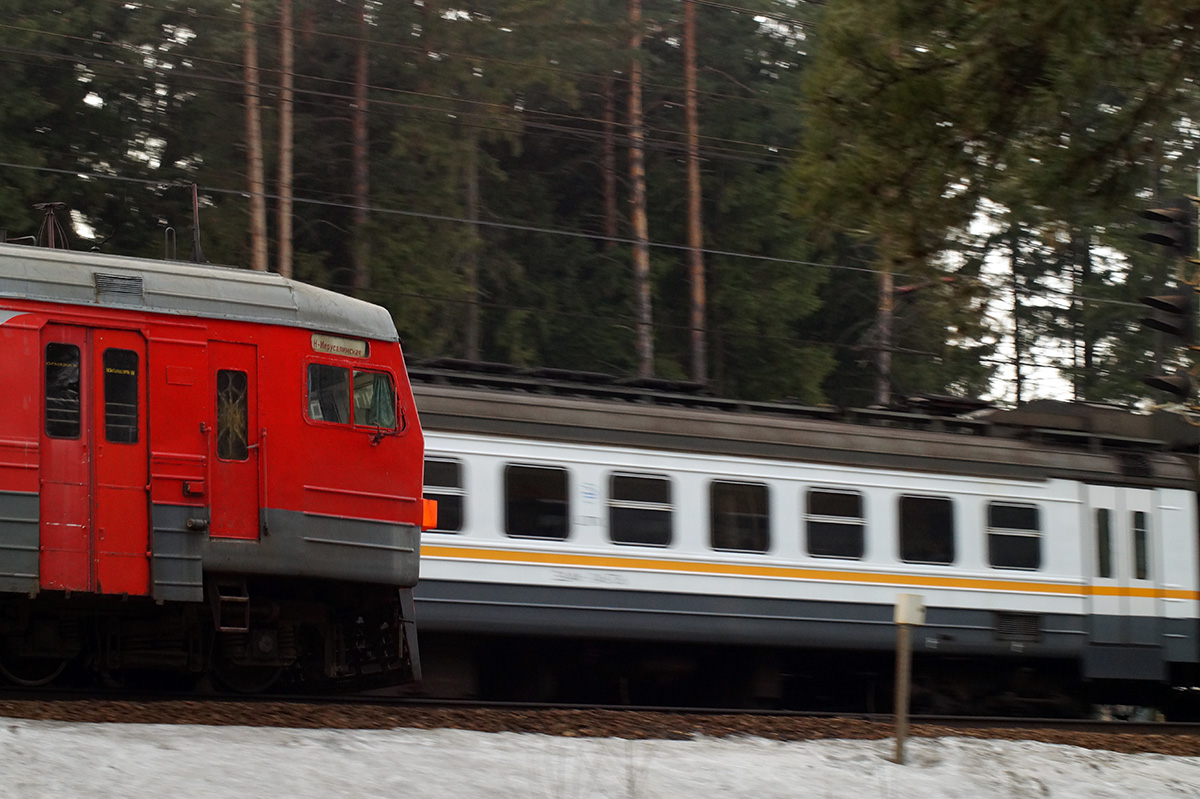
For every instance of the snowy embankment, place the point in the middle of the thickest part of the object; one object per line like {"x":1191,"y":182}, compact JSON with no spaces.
{"x":64,"y":759}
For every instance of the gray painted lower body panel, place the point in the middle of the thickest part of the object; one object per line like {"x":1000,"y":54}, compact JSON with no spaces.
{"x":299,"y":545}
{"x":498,"y":609}
{"x":752,"y":621}
{"x":306,"y":545}
{"x":19,"y":542}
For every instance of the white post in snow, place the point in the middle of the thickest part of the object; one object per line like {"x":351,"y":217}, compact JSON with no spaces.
{"x":910,"y":610}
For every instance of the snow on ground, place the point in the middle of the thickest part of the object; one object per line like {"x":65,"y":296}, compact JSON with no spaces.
{"x":98,"y":761}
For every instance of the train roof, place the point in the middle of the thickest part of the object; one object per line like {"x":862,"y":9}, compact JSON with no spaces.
{"x":175,"y":287}
{"x":1008,"y":445}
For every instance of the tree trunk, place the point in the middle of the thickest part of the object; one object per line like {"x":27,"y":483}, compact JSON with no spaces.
{"x":611,"y":226}
{"x":637,"y":174}
{"x":1014,"y":261}
{"x":254,"y":146}
{"x":471,"y":267}
{"x":883,"y":335}
{"x":695,"y":222}
{"x":1082,"y":250}
{"x":361,"y":255}
{"x":286,"y":83}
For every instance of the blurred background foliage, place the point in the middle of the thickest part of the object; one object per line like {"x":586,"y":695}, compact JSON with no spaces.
{"x":989,"y":158}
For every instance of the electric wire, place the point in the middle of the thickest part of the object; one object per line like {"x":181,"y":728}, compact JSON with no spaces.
{"x":526,"y":228}
{"x":774,"y":154}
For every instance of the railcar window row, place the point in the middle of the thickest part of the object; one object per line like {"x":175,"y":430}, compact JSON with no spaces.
{"x":641,"y":512}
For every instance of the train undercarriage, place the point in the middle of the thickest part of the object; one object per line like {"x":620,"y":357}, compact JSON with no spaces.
{"x":250,"y":635}
{"x":561,"y":670}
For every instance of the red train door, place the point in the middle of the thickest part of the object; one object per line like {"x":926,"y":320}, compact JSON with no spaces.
{"x":94,"y":473}
{"x":120,"y":471}
{"x":234,"y":441}
{"x":64,"y":493}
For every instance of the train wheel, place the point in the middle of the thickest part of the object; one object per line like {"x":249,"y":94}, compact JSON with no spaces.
{"x":31,"y":672}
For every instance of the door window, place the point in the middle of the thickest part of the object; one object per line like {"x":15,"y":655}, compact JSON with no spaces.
{"x":1141,"y":553}
{"x":62,"y":391}
{"x":1104,"y":543}
{"x":233,"y":415}
{"x":121,"y":396}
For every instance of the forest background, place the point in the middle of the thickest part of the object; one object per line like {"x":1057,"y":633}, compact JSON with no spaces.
{"x":898,"y":198}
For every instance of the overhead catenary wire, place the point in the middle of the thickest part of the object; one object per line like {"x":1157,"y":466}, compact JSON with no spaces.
{"x":481,"y":58}
{"x":522,"y":227}
{"x":773,"y":154}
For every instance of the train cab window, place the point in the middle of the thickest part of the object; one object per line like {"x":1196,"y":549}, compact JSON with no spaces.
{"x":121,"y":396}
{"x":740,"y":519}
{"x":233,"y":415}
{"x":639,"y":510}
{"x":1014,"y":536}
{"x":535,"y":502}
{"x":374,"y":399}
{"x":926,"y":530}
{"x":62,"y":391}
{"x":444,"y":484}
{"x":328,"y":393}
{"x":361,"y":397}
{"x":1141,"y":552}
{"x":834,"y":524}
{"x":1104,"y":543}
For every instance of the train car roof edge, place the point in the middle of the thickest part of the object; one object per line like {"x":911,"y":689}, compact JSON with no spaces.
{"x":176,"y":287}
{"x":471,"y":411}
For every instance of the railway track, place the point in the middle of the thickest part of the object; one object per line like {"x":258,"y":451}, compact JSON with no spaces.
{"x":362,"y":712}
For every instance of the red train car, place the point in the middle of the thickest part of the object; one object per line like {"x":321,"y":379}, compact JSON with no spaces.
{"x":202,"y":469}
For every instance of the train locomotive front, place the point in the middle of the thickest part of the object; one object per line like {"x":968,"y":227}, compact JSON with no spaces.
{"x":203,"y":470}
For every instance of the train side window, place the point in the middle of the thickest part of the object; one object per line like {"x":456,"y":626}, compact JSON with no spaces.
{"x":329,"y":393}
{"x":233,"y":415}
{"x":740,"y":519}
{"x":120,"y":396}
{"x":444,"y":483}
{"x":834,"y":524}
{"x":639,"y":510}
{"x":535,"y":502}
{"x":1141,"y":559}
{"x":374,"y":399}
{"x":62,"y":391}
{"x":926,"y":530}
{"x":1014,"y":536}
{"x":1103,"y":542}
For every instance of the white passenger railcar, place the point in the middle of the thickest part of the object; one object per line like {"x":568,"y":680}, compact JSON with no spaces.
{"x":600,"y":543}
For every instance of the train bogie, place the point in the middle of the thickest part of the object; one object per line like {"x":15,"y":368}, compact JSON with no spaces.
{"x":202,"y":467}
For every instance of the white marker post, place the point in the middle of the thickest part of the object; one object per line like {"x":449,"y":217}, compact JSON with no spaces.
{"x":910,"y":610}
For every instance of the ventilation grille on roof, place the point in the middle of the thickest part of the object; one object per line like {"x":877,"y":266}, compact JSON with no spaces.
{"x":118,"y":287}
